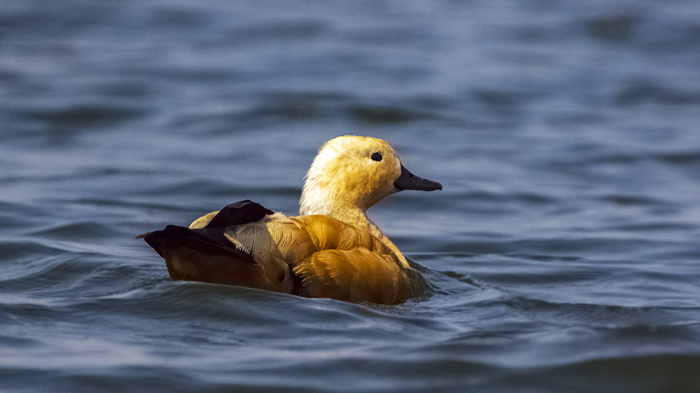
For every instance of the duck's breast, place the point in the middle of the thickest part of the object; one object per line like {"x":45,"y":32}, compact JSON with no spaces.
{"x":339,"y":260}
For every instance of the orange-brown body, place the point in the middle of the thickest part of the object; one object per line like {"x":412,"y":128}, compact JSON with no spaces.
{"x":331,"y":250}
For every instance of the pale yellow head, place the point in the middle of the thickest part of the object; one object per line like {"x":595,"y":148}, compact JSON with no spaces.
{"x":352,"y":173}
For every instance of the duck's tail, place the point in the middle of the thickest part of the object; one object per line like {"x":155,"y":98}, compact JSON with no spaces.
{"x":199,"y":254}
{"x":208,"y":254}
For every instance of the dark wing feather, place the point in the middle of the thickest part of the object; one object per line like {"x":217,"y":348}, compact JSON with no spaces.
{"x":208,"y":255}
{"x":208,"y":241}
{"x":238,"y":213}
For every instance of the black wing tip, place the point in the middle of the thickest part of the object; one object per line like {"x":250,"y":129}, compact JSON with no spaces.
{"x":248,"y":204}
{"x":239,"y":213}
{"x":204,"y":240}
{"x":168,"y":230}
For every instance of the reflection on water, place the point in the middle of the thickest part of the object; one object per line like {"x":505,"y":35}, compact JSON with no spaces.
{"x":562,"y":252}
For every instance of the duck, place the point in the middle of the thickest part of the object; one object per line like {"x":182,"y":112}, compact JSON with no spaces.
{"x":330,"y":250}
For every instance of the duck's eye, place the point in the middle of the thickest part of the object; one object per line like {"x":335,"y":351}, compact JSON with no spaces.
{"x":377,"y":156}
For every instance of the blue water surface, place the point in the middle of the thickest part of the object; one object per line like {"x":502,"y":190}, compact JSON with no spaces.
{"x":563,"y":252}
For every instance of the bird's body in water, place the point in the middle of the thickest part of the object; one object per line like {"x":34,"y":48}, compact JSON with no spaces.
{"x":330,"y":250}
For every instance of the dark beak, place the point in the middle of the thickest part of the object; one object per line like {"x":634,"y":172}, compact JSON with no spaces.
{"x":409,"y":181}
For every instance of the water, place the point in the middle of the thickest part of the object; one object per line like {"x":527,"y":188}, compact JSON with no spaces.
{"x":563,"y":250}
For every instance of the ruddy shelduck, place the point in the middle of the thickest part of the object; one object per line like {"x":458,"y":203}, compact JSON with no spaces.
{"x":330,"y":250}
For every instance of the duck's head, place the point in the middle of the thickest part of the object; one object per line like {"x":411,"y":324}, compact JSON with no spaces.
{"x":355,"y":172}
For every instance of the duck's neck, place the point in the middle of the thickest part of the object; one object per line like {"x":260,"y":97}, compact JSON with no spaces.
{"x":334,"y":207}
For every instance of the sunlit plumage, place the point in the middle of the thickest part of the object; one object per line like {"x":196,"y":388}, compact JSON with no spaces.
{"x":330,"y":250}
